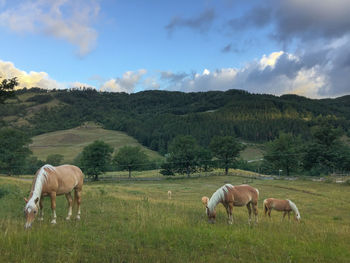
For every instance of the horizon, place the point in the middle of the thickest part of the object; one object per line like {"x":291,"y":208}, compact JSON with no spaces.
{"x":270,"y":47}
{"x":150,"y":90}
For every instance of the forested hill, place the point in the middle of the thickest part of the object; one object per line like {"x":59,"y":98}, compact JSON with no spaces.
{"x":156,"y":117}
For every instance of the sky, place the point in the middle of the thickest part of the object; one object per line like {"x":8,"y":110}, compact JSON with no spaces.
{"x":275,"y":47}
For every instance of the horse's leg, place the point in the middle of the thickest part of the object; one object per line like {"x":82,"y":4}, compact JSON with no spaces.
{"x":70,"y":205}
{"x":284,"y":214}
{"x":269,"y":213}
{"x":53,"y":207}
{"x":77,"y":196}
{"x":249,"y":213}
{"x":255,"y":210}
{"x":289,"y":215}
{"x":229,"y":209}
{"x":41,"y":212}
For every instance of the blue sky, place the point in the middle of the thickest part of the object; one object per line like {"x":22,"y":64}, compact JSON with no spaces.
{"x":271,"y":46}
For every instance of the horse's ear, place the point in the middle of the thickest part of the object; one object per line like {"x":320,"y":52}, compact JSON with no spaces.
{"x":25,"y":199}
{"x":36,"y":200}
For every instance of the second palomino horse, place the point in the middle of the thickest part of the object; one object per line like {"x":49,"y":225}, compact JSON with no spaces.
{"x":52,"y":181}
{"x":230,"y":196}
{"x":285,"y":206}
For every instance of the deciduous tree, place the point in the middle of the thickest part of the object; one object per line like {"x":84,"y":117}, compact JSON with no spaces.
{"x":225,"y":149}
{"x":13,"y":150}
{"x":131,"y":158}
{"x":95,"y":158}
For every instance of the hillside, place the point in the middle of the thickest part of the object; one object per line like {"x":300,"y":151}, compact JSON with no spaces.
{"x":154,"y":118}
{"x":70,"y":143}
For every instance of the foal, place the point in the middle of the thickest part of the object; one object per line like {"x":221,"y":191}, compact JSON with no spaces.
{"x":230,"y":196}
{"x":285,"y":206}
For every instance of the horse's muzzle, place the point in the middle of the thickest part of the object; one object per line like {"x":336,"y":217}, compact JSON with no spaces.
{"x":28,"y":225}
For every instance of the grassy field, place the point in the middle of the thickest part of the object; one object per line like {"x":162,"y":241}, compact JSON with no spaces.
{"x":70,"y":143}
{"x":135,"y":222}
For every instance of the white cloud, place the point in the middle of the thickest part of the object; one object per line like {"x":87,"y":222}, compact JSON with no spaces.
{"x":63,"y":19}
{"x":270,"y":60}
{"x":25,"y":79}
{"x":77,"y":84}
{"x":127,"y":83}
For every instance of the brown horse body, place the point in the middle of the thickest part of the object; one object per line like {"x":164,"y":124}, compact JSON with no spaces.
{"x":52,"y":181}
{"x":285,"y":206}
{"x":230,"y":196}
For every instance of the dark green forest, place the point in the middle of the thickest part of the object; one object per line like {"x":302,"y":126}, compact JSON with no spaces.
{"x":155,"y":118}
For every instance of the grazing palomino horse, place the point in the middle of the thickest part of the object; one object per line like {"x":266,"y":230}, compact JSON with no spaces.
{"x":169,"y":194}
{"x":230,"y":196}
{"x":52,"y":181}
{"x":281,"y":205}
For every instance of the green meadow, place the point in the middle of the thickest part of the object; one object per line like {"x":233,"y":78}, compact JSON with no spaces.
{"x":128,"y":221}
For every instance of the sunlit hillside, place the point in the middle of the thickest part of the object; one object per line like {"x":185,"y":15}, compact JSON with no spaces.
{"x":70,"y":143}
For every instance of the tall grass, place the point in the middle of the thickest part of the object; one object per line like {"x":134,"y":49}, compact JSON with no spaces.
{"x":135,"y":222}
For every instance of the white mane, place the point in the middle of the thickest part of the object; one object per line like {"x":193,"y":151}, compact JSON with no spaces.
{"x":40,"y":180}
{"x":295,"y":209}
{"x":218,"y":196}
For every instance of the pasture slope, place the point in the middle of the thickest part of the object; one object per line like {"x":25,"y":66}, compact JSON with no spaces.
{"x":135,"y":222}
{"x":70,"y":143}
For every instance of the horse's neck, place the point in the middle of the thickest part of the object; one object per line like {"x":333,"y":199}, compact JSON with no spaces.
{"x":293,"y":207}
{"x":41,"y":179}
{"x":38,"y":187}
{"x":216,"y":198}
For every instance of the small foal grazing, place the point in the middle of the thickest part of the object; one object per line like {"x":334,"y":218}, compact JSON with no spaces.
{"x":230,"y":196}
{"x":52,"y":181}
{"x":285,"y":206}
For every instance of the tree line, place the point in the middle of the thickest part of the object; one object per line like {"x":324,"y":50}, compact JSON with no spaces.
{"x":155,"y":118}
{"x":301,"y":135}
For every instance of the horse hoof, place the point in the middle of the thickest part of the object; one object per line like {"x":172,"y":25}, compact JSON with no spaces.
{"x":78,"y":217}
{"x":53,"y":222}
{"x":41,"y":219}
{"x":67,"y":218}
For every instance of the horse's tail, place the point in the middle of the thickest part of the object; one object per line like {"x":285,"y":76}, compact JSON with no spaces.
{"x":265,"y":206}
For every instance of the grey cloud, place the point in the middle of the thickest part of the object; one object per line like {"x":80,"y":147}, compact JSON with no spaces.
{"x":202,"y":23}
{"x":257,"y":17}
{"x":172,"y":77}
{"x":304,"y":20}
{"x":231,"y":48}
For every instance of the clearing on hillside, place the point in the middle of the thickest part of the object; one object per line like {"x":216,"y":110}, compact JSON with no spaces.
{"x":70,"y":143}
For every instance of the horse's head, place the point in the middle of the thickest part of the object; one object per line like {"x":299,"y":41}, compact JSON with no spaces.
{"x":211,"y":215}
{"x":30,"y":211}
{"x":297,"y":217}
{"x":205,"y":200}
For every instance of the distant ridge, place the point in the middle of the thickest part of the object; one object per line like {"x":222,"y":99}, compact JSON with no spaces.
{"x":154,"y":118}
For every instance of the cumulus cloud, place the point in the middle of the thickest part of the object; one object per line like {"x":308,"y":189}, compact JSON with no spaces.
{"x":35,"y":79}
{"x":277,"y":73}
{"x":319,"y":31}
{"x":202,"y":23}
{"x":28,"y":79}
{"x":63,"y":19}
{"x":127,"y":83}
